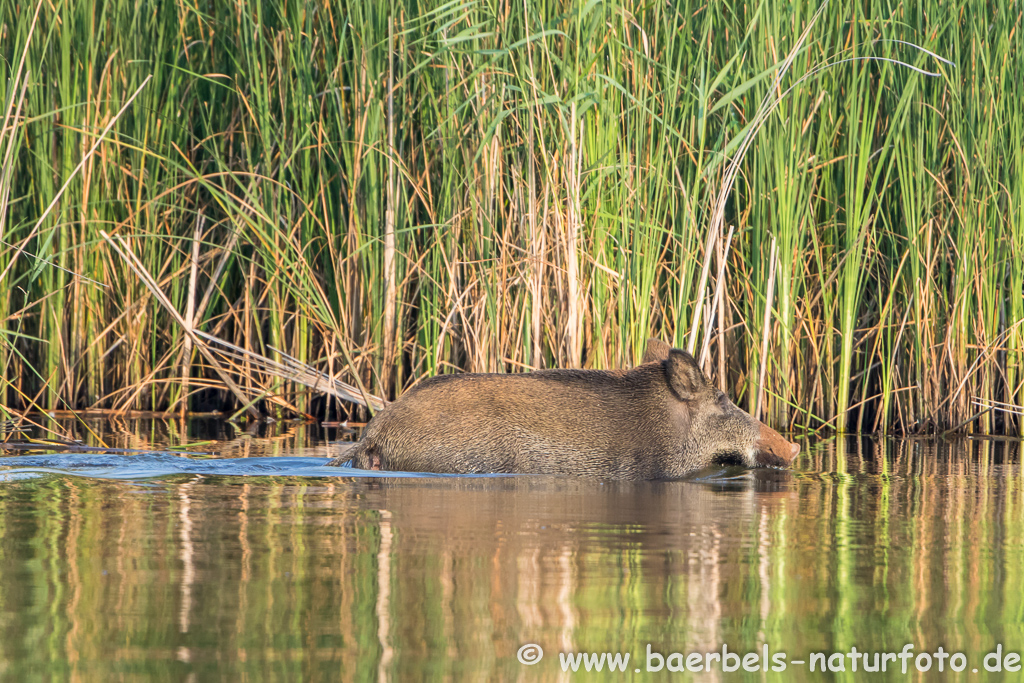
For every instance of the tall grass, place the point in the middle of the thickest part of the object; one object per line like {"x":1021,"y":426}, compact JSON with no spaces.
{"x":388,"y":191}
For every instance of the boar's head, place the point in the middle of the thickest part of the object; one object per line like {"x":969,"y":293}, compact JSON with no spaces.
{"x":718,"y":430}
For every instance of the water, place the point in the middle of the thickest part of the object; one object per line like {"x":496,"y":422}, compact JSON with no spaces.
{"x":275,"y":567}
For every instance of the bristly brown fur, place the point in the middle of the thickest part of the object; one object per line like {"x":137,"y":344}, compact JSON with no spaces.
{"x":662,"y":419}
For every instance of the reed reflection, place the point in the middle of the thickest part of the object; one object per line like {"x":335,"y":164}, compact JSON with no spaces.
{"x":870,"y":543}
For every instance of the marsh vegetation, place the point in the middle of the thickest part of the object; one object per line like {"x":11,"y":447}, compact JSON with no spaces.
{"x":386,"y":191}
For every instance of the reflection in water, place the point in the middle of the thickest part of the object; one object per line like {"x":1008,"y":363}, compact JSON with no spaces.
{"x":384,"y":596}
{"x":198,"y":572}
{"x":188,"y":572}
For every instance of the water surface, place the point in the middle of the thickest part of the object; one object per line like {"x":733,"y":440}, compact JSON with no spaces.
{"x":258,"y":562}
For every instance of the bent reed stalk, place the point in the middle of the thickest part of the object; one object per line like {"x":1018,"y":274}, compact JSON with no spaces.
{"x":388,"y":192}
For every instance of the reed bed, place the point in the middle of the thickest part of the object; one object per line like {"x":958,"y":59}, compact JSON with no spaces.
{"x":387,"y":191}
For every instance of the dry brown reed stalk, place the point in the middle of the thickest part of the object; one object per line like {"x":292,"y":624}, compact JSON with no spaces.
{"x":390,"y":270}
{"x":573,"y":348}
{"x":992,"y":404}
{"x":691,"y":343}
{"x":719,"y":289}
{"x":766,"y":326}
{"x":291,"y":370}
{"x":124,"y":251}
{"x":190,"y":313}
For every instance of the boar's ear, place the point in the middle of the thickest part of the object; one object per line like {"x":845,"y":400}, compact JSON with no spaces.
{"x":683,"y":374}
{"x":657,"y":350}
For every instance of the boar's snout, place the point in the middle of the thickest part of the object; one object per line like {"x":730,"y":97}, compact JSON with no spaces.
{"x":772,"y":449}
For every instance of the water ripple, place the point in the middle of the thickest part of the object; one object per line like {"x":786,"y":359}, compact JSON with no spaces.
{"x":149,"y":465}
{"x":161,"y":464}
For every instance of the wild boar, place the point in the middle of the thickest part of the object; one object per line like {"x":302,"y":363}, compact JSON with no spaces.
{"x":661,"y":420}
